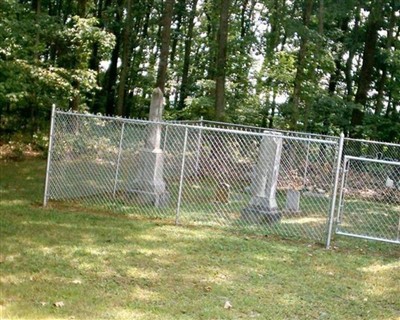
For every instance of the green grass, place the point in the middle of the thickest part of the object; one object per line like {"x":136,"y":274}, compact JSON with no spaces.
{"x":92,"y":184}
{"x":371,"y":218}
{"x":115,"y":266}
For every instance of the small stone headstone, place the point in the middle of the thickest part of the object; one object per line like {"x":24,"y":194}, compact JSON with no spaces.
{"x":293,"y":201}
{"x":389,"y":183}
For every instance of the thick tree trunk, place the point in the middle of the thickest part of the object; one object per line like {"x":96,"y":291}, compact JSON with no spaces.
{"x":335,"y":76}
{"x":301,"y":60}
{"x":76,"y":99}
{"x":243,"y":18}
{"x":222,"y":43}
{"x":273,"y":36}
{"x":112,"y":72}
{"x":165,"y":39}
{"x":211,"y":27}
{"x":382,"y":80}
{"x":125,"y":59}
{"x":94,"y":57}
{"x":365,"y":77}
{"x":94,"y":61}
{"x":186,"y":59}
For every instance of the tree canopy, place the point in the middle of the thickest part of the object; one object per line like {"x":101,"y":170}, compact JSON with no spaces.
{"x":322,"y":66}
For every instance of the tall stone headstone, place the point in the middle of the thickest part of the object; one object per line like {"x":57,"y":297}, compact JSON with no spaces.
{"x":149,"y":185}
{"x":263,"y":206}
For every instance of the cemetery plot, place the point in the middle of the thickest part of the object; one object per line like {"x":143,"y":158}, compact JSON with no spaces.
{"x":267,"y":182}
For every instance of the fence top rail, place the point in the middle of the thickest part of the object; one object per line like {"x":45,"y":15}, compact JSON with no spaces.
{"x":392,"y":144}
{"x":196,"y":127}
{"x":267,"y":129}
{"x":372,"y":160}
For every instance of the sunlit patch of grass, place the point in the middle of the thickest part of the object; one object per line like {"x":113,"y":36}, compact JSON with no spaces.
{"x":305,"y":220}
{"x":13,"y":202}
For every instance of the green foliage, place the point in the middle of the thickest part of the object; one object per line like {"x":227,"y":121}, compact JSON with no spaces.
{"x":53,"y":56}
{"x":202,"y":103}
{"x":41,"y":62}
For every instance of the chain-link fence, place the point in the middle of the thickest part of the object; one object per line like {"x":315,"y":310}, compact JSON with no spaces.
{"x":369,"y":199}
{"x":257,"y":181}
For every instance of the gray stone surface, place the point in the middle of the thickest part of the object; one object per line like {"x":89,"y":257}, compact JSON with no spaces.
{"x":149,"y":186}
{"x":263,"y":206}
{"x":293,"y":201}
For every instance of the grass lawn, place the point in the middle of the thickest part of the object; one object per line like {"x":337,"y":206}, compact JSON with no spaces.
{"x":68,"y":262}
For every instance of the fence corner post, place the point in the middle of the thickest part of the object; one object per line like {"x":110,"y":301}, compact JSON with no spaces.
{"x":50,"y":149}
{"x":178,"y":206}
{"x":334,"y":191}
{"x":121,"y":139}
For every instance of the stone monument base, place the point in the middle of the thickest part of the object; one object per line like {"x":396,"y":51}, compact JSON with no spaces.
{"x":158,"y":200}
{"x":147,"y":193}
{"x":261,"y":214}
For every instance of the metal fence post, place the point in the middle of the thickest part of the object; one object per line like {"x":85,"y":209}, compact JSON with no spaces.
{"x":198,"y":147}
{"x":178,"y":206}
{"x":334,"y":192}
{"x":342,"y":186}
{"x":50,"y":150}
{"x":307,"y":164}
{"x":121,"y":139}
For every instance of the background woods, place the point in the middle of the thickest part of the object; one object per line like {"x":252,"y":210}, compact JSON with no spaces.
{"x":319,"y":66}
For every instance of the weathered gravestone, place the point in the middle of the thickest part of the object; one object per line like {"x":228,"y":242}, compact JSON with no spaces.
{"x":262,"y":207}
{"x":293,"y":201}
{"x":149,"y":185}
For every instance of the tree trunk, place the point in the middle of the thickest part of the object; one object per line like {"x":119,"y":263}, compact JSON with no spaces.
{"x":222,"y":42}
{"x":334,"y":78}
{"x":211,"y":37}
{"x":165,"y":39}
{"x":186,"y":59}
{"x":321,"y":17}
{"x":274,"y":34}
{"x":365,"y":77}
{"x":112,"y":73}
{"x":349,"y":62}
{"x":383,"y":77}
{"x":76,"y":99}
{"x":125,"y":59}
{"x":301,"y":60}
{"x":94,"y":62}
{"x":180,"y":13}
{"x":82,"y":4}
{"x":94,"y":57}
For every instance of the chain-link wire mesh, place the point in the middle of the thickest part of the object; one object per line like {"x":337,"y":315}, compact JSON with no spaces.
{"x":371,"y":149}
{"x":198,"y":175}
{"x":225,"y":184}
{"x":268,"y":182}
{"x":104,"y":162}
{"x":370,"y":199}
